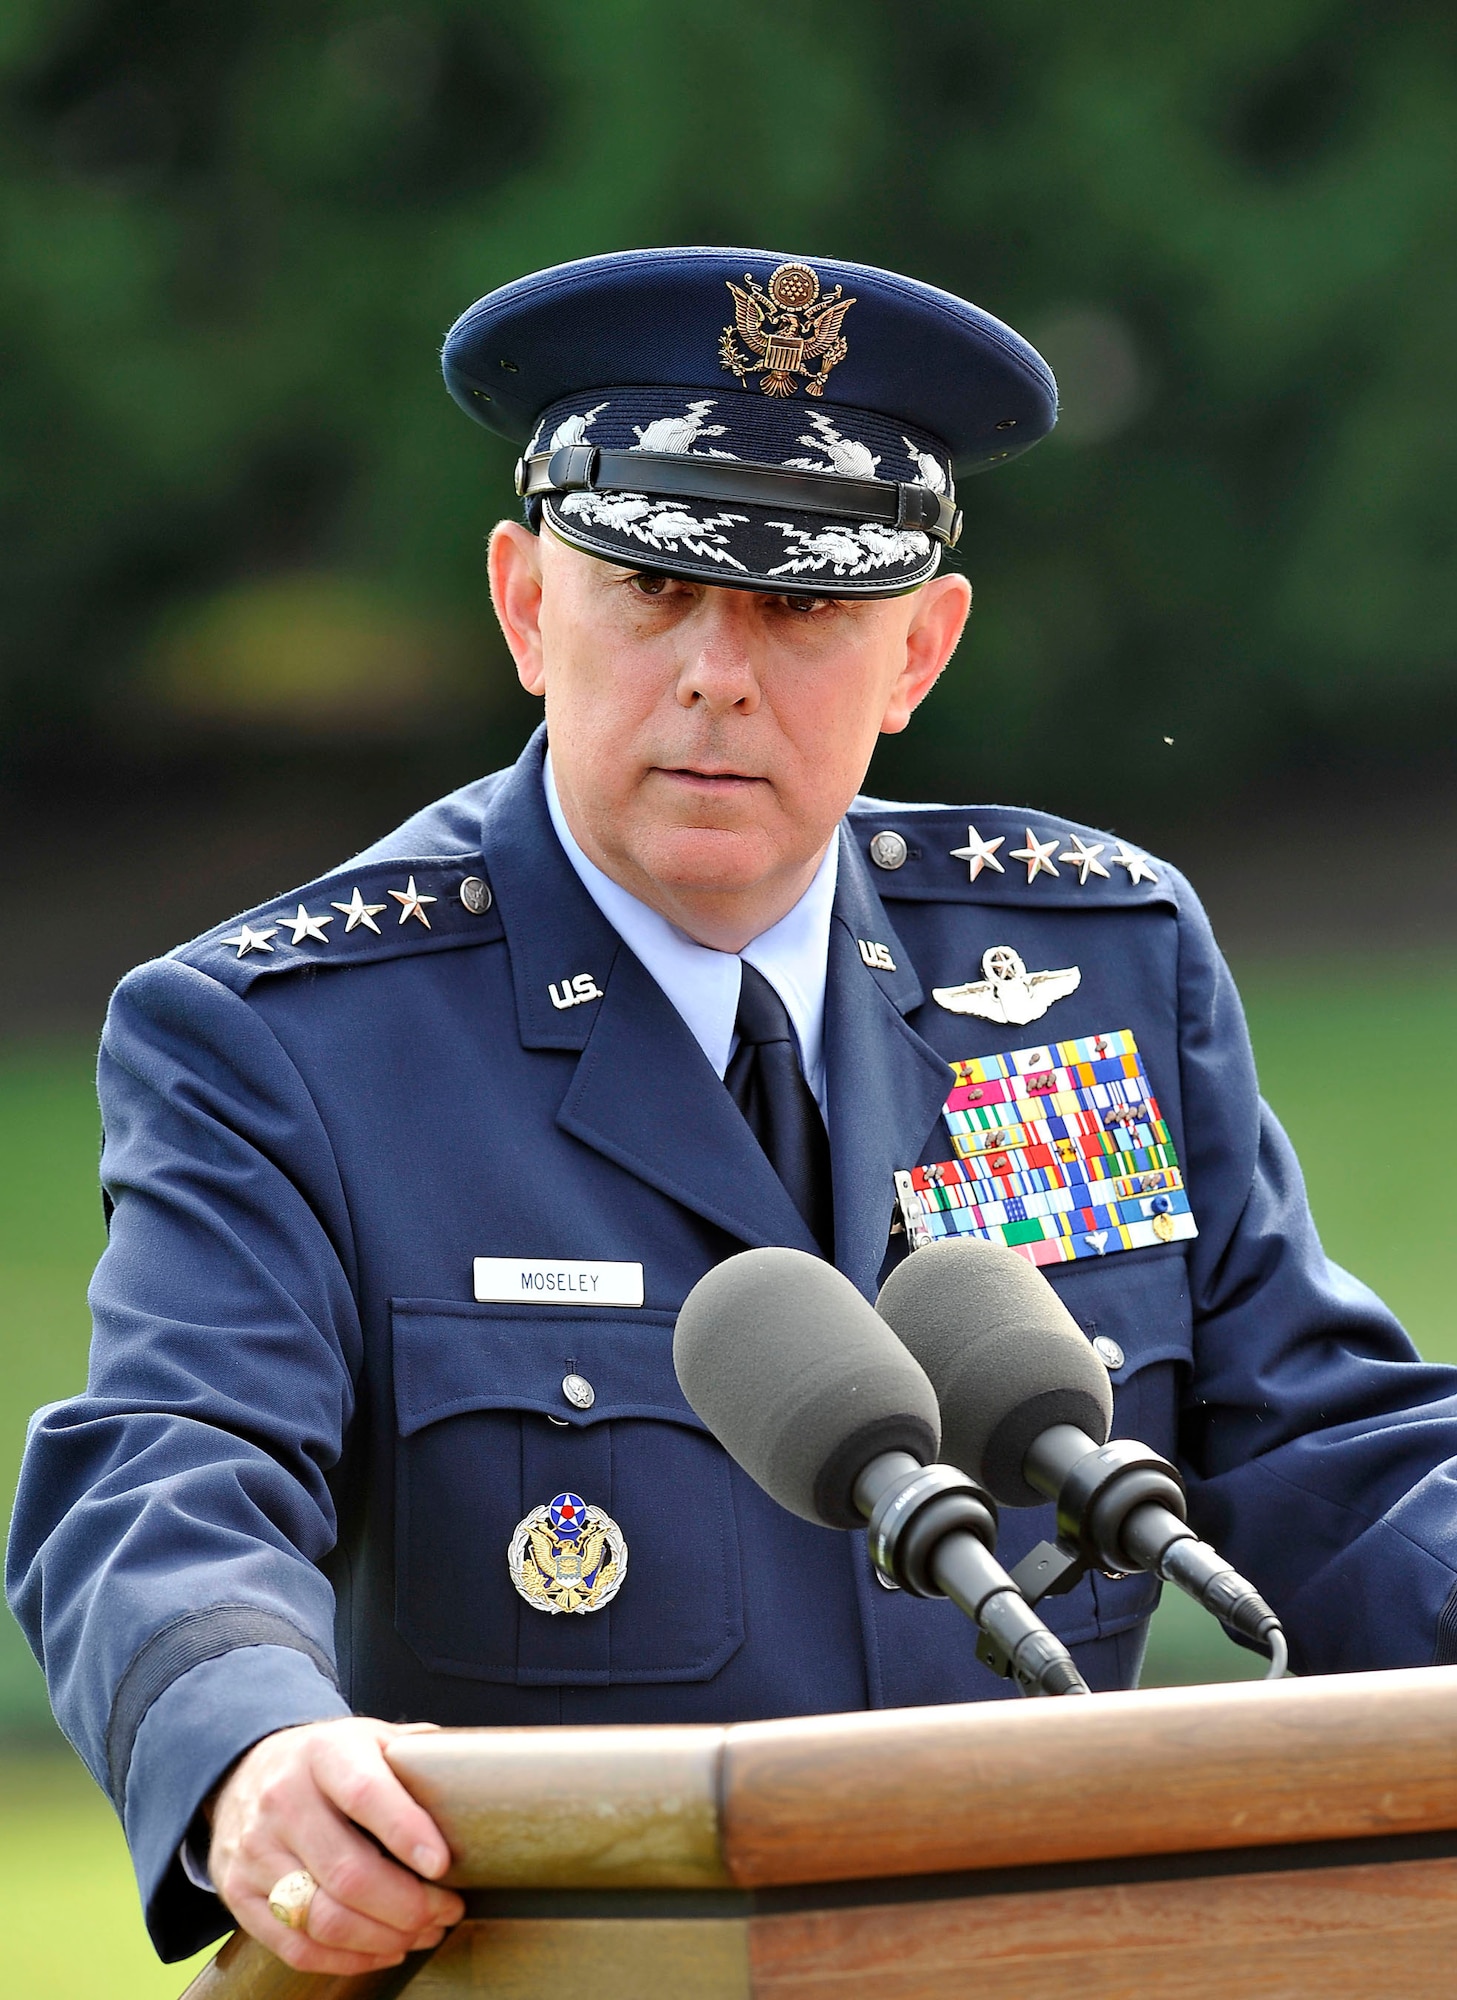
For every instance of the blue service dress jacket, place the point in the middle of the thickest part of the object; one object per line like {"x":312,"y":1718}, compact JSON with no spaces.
{"x":289,"y":1487}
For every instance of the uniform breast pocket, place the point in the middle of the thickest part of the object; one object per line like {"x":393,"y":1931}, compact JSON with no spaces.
{"x":487,"y":1433}
{"x":1139,"y":1302}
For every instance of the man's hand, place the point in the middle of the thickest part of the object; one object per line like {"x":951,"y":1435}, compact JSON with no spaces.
{"x":298,"y":1799}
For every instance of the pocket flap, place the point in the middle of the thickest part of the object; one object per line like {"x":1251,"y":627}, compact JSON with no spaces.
{"x":451,"y":1358}
{"x":1139,"y":1298}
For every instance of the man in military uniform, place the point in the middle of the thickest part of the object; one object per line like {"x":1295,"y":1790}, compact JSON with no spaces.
{"x":410,"y":1170}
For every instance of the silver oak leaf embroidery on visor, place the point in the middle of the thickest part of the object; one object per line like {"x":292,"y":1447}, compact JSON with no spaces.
{"x":571,"y":430}
{"x":930,"y":470}
{"x":849,"y":551}
{"x":846,"y":456}
{"x":658,"y":524}
{"x":677,"y":434}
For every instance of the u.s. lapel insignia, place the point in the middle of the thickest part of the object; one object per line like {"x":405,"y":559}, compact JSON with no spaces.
{"x":1008,"y":992}
{"x":574,"y":992}
{"x":784,"y":324}
{"x":567,"y":1556}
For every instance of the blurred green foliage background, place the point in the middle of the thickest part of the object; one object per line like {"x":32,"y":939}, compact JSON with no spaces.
{"x":235,"y":498}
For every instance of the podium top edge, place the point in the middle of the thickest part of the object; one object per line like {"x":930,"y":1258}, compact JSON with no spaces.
{"x":916,"y":1791}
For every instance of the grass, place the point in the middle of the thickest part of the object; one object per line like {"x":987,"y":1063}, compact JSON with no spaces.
{"x":1342,"y":1060}
{"x":68,"y":1899}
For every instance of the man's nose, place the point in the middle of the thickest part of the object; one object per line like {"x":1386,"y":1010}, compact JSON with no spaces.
{"x":721,"y":669}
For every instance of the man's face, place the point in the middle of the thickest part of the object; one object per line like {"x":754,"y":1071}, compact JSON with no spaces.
{"x":706,"y":742}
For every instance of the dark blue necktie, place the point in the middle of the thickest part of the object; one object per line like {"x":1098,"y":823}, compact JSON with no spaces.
{"x":766,"y":1082}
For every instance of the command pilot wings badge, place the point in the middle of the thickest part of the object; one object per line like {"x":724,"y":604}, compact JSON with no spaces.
{"x":1008,"y":992}
{"x":785,"y":324}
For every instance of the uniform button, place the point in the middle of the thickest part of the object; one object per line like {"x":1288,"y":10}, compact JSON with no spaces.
{"x":888,"y":850}
{"x":1108,"y":1352}
{"x":476,"y":895}
{"x":578,"y":1392}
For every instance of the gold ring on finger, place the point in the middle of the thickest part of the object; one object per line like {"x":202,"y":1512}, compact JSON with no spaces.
{"x":290,"y":1897}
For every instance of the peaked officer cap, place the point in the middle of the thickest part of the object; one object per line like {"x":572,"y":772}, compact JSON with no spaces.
{"x":742,"y":418}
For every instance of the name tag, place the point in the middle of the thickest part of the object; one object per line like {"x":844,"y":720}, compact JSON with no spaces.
{"x":556,"y":1282}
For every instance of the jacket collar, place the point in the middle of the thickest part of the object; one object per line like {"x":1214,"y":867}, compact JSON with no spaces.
{"x":886,"y":1085}
{"x":554,"y":931}
{"x":644,"y":1094}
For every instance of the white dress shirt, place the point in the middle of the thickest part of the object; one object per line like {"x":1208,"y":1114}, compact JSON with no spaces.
{"x":703,"y":984}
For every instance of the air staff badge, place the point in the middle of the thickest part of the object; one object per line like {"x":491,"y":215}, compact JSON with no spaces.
{"x":785,"y":324}
{"x":567,"y":1556}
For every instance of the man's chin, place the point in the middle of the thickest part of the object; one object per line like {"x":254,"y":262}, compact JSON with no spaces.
{"x":709,"y":861}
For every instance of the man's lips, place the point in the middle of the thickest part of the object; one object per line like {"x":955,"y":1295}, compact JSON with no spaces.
{"x":708,"y":781}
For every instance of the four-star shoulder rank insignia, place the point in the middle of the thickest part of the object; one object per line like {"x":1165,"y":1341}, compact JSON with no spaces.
{"x":980,"y":853}
{"x":305,"y":926}
{"x":567,"y":1556}
{"x":1083,"y":855}
{"x":249,"y":940}
{"x":1135,"y":863}
{"x":1008,"y":993}
{"x":360,"y":912}
{"x":1037,"y":854}
{"x":306,"y":930}
{"x":411,"y":902}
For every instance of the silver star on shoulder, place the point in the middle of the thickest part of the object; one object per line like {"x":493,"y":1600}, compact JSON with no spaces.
{"x":1037,"y":854}
{"x":360,"y":912}
{"x":410,"y":901}
{"x":1084,"y":858}
{"x":1009,"y":993}
{"x":249,"y":940}
{"x":980,"y":853}
{"x":305,"y":926}
{"x":1136,"y":864}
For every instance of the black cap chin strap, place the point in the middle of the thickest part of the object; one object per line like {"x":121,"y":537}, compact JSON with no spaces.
{"x":590,"y":468}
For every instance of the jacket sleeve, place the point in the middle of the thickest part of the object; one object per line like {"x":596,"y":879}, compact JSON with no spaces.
{"x":1321,"y":1451}
{"x":170,"y":1520}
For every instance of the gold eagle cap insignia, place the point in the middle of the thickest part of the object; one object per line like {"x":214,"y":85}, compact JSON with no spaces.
{"x":786,"y":325}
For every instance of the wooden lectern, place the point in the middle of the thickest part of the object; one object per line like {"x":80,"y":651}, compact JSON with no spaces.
{"x":1287,"y":1839}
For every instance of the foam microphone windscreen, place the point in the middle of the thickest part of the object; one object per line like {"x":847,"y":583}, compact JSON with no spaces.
{"x":1005,"y":1356}
{"x":800,"y":1380}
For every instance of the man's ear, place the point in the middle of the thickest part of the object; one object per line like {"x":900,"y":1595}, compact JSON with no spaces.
{"x":942,"y":608}
{"x":514,"y":568}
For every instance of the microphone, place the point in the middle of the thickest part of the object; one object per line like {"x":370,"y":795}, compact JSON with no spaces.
{"x":807,"y":1388}
{"x":1027,"y":1405}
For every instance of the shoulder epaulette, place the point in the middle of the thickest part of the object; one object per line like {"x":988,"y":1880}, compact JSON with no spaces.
{"x":1003,"y":855}
{"x":357,"y":915}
